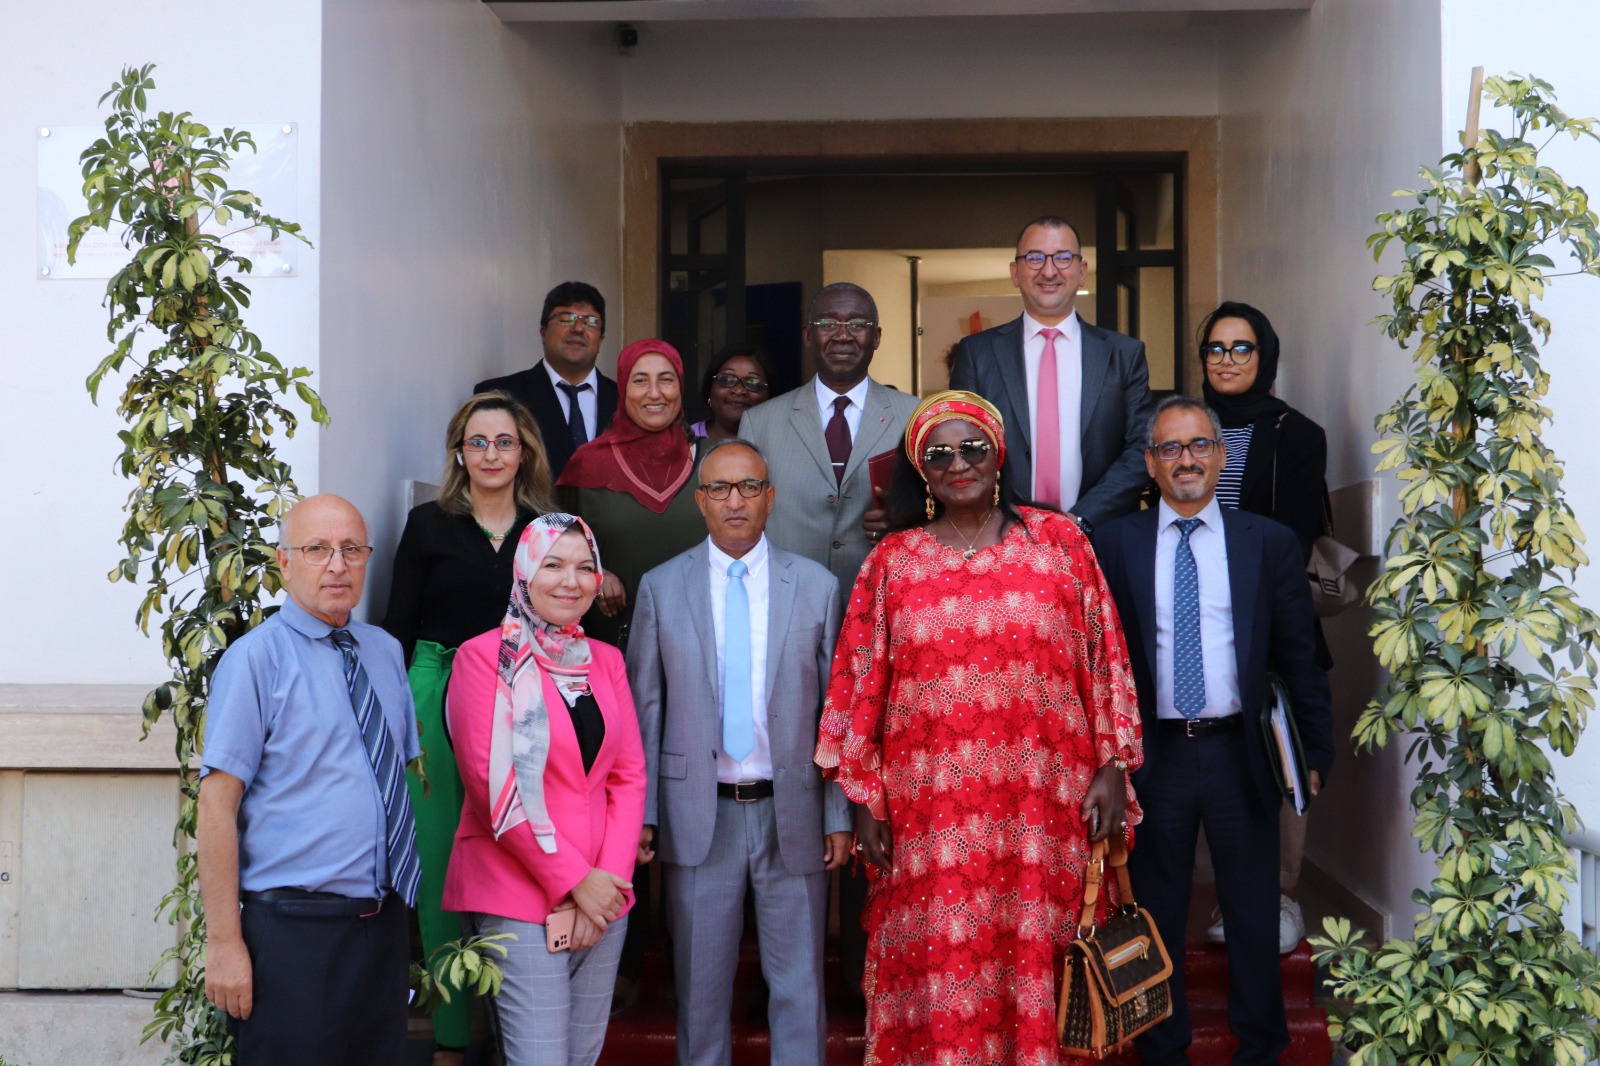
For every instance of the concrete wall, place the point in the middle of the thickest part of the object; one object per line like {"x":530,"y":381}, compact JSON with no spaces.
{"x":469,"y":166}
{"x":1475,"y":34}
{"x":923,"y":68}
{"x":63,"y":502}
{"x":1323,"y":115}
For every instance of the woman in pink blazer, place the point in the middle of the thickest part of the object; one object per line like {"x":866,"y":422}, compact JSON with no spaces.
{"x":547,"y":741}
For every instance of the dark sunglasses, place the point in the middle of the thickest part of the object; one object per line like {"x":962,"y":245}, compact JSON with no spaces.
{"x":940,"y":456}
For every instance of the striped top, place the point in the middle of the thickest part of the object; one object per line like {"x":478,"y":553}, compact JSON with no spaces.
{"x":1228,"y":482}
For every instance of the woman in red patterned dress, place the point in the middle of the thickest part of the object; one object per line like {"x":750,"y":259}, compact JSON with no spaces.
{"x":982,"y":712}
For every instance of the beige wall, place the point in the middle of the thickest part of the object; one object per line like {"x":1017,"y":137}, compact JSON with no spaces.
{"x":1323,"y":116}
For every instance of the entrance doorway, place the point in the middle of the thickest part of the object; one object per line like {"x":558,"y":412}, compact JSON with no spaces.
{"x":742,"y":248}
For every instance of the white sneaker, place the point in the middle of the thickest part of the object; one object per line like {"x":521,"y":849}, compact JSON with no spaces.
{"x":1214,"y":934}
{"x":1291,"y":925}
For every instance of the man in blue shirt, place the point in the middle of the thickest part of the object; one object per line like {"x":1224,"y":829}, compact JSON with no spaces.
{"x":306,"y":845}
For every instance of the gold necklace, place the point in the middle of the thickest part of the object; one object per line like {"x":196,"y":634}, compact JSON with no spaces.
{"x":972,"y":540}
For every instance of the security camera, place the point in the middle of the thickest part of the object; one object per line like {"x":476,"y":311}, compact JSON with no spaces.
{"x":627,"y":37}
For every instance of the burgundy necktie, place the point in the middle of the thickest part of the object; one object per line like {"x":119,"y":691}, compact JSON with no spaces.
{"x":838,"y":436}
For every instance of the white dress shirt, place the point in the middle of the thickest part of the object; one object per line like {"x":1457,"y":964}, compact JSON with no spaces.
{"x":852,"y":413}
{"x":757,"y":766}
{"x":1220,"y":667}
{"x":1069,"y":398}
{"x":588,"y":399}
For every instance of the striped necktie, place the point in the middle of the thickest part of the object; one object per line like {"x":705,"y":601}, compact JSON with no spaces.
{"x":1188,"y":660}
{"x":401,"y":839}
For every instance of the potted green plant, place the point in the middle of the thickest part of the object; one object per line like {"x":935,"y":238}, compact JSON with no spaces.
{"x":1489,"y":654}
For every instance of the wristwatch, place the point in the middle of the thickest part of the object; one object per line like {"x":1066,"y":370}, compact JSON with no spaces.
{"x":1084,"y":525}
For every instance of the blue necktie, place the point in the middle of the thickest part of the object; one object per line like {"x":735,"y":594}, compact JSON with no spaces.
{"x":738,"y":727}
{"x":401,"y":838}
{"x":575,"y":423}
{"x":1188,"y":663}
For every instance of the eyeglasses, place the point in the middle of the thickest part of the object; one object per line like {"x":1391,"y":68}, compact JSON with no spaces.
{"x":1063,"y":259}
{"x":322,"y":554}
{"x":1239,"y":353}
{"x":749,"y":488}
{"x":501,"y":444}
{"x":752,"y":383}
{"x":940,"y":456}
{"x":1198,"y":448}
{"x":858,"y":327}
{"x":572,"y":318}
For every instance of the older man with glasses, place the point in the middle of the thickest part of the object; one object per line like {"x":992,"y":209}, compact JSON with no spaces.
{"x":820,"y":439}
{"x":1075,"y":398}
{"x":307,"y":849}
{"x":731,"y":647}
{"x":571,"y":400}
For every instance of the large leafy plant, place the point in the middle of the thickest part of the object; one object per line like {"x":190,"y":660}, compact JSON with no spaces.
{"x":203,"y":403}
{"x":1491,"y":658}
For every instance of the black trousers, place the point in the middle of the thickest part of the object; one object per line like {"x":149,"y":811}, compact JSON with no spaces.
{"x":1206,"y":781}
{"x":327,"y":991}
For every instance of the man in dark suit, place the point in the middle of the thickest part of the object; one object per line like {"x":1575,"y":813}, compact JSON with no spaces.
{"x":1075,"y":443}
{"x":570,"y":400}
{"x":1210,"y":601}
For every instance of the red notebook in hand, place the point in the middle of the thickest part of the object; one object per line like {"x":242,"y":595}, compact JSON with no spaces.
{"x":880,"y":468}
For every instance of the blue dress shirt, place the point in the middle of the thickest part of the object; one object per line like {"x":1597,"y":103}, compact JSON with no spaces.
{"x":280,"y":720}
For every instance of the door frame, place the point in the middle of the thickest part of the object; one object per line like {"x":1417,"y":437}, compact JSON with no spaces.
{"x":976,"y":145}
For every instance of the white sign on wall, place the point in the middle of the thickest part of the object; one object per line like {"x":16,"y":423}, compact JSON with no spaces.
{"x":272,"y":173}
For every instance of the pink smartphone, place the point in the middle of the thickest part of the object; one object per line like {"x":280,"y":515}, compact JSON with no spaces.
{"x":558,"y":927}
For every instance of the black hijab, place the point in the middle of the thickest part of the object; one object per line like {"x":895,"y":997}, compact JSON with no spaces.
{"x":1256,"y":403}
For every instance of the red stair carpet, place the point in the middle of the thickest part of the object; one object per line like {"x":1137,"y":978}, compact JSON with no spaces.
{"x":643,"y":1035}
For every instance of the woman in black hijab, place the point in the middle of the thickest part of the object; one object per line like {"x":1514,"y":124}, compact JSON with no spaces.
{"x":1277,"y":457}
{"x":1277,"y":466}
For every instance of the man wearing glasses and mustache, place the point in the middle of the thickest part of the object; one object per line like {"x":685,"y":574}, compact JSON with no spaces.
{"x":1075,"y":398}
{"x":570,"y":400}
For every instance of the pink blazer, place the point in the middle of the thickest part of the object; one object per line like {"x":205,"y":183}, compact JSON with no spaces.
{"x":597,"y":816}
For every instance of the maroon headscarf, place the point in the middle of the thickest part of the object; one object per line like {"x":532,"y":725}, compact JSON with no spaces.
{"x":649,"y":466}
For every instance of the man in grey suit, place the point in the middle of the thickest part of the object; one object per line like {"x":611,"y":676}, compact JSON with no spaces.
{"x":1079,"y":444}
{"x":820,"y":438}
{"x":729,"y":659}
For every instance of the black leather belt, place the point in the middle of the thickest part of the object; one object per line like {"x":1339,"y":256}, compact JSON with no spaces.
{"x":1201,"y":727}
{"x":299,"y":903}
{"x":746,"y":793}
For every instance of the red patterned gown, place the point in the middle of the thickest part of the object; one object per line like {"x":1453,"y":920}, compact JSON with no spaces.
{"x":971,"y":703}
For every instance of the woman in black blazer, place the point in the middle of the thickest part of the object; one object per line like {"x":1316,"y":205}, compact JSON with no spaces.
{"x":1277,"y":467}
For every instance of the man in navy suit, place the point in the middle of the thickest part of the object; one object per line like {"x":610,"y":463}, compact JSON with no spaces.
{"x":1210,"y":601}
{"x":570,"y":400}
{"x":1075,"y":398}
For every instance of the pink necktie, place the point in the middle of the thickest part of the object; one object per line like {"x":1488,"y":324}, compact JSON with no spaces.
{"x":1047,"y":435}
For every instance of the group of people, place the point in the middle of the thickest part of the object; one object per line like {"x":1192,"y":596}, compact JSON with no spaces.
{"x":932,"y":648}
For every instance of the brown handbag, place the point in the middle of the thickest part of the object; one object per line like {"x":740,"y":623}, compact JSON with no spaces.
{"x":1116,"y":982}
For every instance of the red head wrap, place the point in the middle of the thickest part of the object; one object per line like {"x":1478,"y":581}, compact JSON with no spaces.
{"x":946,"y":407}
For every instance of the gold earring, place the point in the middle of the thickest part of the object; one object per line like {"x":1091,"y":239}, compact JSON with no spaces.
{"x":997,"y":492}
{"x":927,"y":508}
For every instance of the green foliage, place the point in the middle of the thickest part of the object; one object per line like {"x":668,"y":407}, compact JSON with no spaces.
{"x":1491,"y":659}
{"x":202,"y":401}
{"x":460,"y":964}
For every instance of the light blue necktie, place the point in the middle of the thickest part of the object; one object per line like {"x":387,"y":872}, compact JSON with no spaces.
{"x":1188,"y":662}
{"x":400,"y":843}
{"x":738,"y":727}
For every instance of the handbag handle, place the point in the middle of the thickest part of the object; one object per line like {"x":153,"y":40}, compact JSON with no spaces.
{"x":1115,"y":851}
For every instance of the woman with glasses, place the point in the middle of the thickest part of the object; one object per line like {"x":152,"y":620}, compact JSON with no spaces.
{"x":737,"y":380}
{"x":982,"y":713}
{"x":452,"y":574}
{"x":1277,"y":467}
{"x":547,"y":741}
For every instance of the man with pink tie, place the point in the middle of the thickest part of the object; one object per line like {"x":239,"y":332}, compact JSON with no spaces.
{"x":1075,"y":398}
